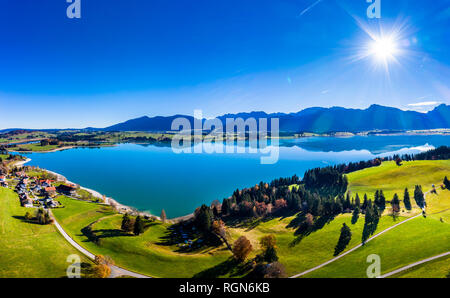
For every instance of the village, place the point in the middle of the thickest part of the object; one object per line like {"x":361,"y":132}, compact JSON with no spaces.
{"x":36,"y":192}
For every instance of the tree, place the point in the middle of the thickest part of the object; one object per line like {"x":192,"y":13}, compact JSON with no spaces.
{"x":269,"y":245}
{"x":357,"y":201}
{"x":382,"y":200}
{"x":163,"y":216}
{"x":43,"y":217}
{"x":407,"y":200}
{"x":241,"y":248}
{"x":344,"y":239}
{"x":127,"y":223}
{"x":446,"y":183}
{"x":365,"y":202}
{"x":101,"y":271}
{"x":355,"y":215}
{"x":138,"y":226}
{"x":395,"y":200}
{"x":204,"y":218}
{"x":395,"y":203}
{"x":419,"y":197}
{"x":218,"y":228}
{"x":268,"y":241}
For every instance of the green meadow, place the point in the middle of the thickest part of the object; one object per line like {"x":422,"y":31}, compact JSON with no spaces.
{"x":28,"y":249}
{"x":413,"y":241}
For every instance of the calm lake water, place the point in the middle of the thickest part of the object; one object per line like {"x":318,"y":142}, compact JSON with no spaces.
{"x":151,"y":178}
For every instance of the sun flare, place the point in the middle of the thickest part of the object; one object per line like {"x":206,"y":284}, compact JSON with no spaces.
{"x":383,"y":48}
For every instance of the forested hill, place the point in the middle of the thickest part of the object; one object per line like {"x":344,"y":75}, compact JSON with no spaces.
{"x":319,"y":120}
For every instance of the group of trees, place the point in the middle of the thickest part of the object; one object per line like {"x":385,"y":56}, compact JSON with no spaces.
{"x":372,"y":217}
{"x":442,"y":153}
{"x":267,"y":265}
{"x":42,"y":217}
{"x":326,"y":181}
{"x":136,"y":226}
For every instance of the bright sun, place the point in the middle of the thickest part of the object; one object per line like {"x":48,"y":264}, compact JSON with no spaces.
{"x":383,"y":48}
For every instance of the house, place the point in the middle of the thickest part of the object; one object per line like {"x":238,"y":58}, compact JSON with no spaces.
{"x":2,"y":178}
{"x":69,"y":189}
{"x":50,"y":191}
{"x":45,"y":183}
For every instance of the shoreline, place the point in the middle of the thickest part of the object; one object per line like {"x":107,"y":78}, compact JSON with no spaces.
{"x":121,"y":208}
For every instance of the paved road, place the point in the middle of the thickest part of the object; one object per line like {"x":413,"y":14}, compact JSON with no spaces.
{"x":115,"y":270}
{"x":356,"y":247}
{"x":415,"y":264}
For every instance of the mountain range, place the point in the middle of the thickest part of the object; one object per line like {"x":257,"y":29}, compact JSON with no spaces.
{"x":318,"y":120}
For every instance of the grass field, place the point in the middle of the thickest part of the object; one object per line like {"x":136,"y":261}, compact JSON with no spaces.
{"x":146,"y":253}
{"x":439,"y":268}
{"x":28,"y":249}
{"x":393,"y":179}
{"x":135,"y":253}
{"x":150,"y":254}
{"x":35,"y":147}
{"x":413,"y":241}
{"x":312,"y":249}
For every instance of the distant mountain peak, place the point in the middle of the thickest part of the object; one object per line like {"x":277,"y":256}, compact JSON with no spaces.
{"x":319,"y":120}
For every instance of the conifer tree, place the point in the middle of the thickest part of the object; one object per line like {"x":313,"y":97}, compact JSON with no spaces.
{"x":357,"y":201}
{"x":127,"y":224}
{"x":355,"y":215}
{"x":419,"y":197}
{"x":382,"y":200}
{"x":138,"y":226}
{"x":446,"y":183}
{"x":407,"y":200}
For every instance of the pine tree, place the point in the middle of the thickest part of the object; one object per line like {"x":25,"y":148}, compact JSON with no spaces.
{"x":127,"y":224}
{"x":355,"y":215}
{"x":364,"y":205}
{"x":419,"y":197}
{"x":382,"y":200}
{"x":367,"y":230}
{"x":395,"y":200}
{"x":446,"y":183}
{"x":138,"y":226}
{"x":348,"y":204}
{"x":344,"y":239}
{"x":357,"y":202}
{"x":407,"y":200}
{"x":204,"y":218}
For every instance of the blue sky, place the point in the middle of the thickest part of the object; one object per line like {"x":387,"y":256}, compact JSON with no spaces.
{"x":129,"y":58}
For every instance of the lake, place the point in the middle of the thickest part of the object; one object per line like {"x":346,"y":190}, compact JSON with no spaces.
{"x":151,"y":178}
